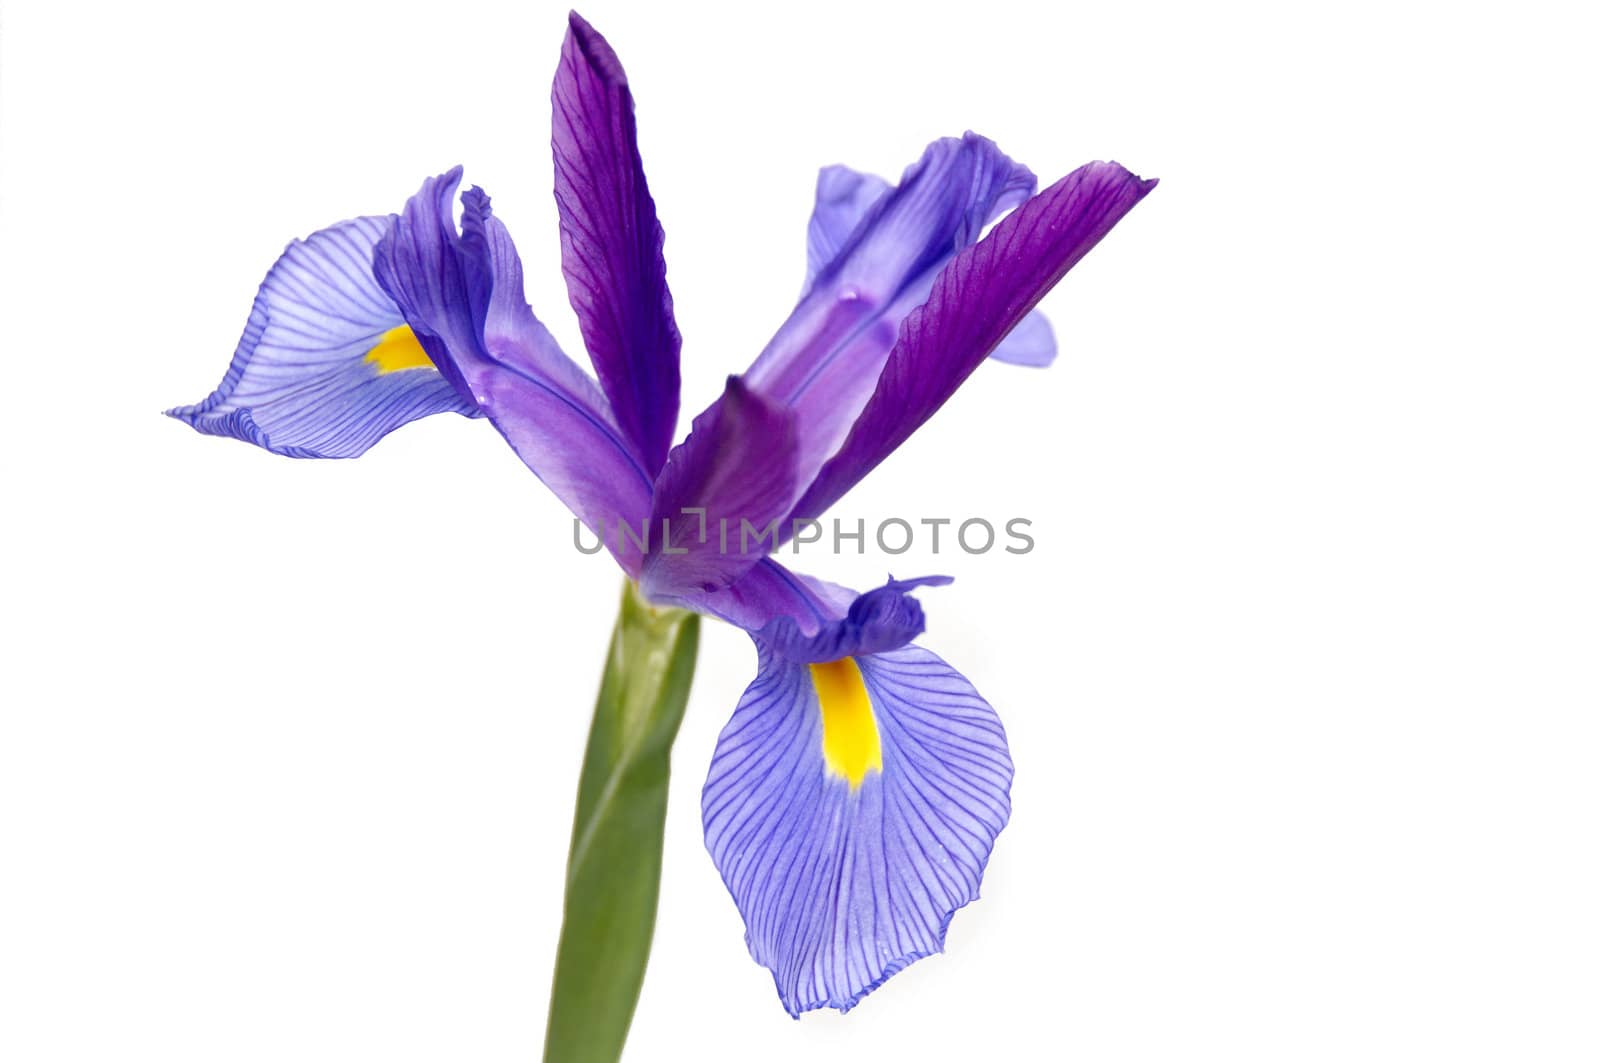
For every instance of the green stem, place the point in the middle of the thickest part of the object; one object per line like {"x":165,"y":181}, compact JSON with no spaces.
{"x":614,"y":865}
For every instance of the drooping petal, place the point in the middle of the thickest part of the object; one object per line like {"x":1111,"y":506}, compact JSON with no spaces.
{"x":611,"y":243}
{"x":979,"y":297}
{"x":462,"y":293}
{"x":326,"y":366}
{"x":720,"y":495}
{"x":824,"y":359}
{"x":844,"y":198}
{"x":851,"y":808}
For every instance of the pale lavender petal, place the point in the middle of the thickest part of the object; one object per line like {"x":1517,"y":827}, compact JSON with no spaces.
{"x":611,"y":243}
{"x":1032,"y":343}
{"x":326,"y":366}
{"x":984,"y":292}
{"x":842,"y":883}
{"x":462,"y":295}
{"x":844,"y":198}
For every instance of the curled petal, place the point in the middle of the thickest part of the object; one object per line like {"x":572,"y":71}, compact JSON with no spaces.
{"x":851,"y":808}
{"x":800,"y":618}
{"x":879,"y":620}
{"x":825,"y":358}
{"x":979,"y":297}
{"x":462,"y":293}
{"x":326,"y":366}
{"x":611,"y":243}
{"x":844,"y":199}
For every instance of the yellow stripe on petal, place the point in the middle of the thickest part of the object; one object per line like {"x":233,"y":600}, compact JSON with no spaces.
{"x":398,"y":349}
{"x":850,"y":746}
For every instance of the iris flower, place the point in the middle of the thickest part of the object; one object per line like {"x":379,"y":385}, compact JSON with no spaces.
{"x":855,"y":794}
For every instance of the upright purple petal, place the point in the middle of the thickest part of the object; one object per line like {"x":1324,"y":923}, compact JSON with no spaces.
{"x":825,"y":359}
{"x":978,"y":298}
{"x":462,"y":295}
{"x":721,"y":496}
{"x":611,"y":243}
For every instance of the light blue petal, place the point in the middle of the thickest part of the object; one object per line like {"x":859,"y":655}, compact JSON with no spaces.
{"x":300,"y":383}
{"x":842,"y":886}
{"x":1031,"y":343}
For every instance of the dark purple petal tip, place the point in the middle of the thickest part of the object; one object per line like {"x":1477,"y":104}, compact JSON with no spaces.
{"x":976,"y":300}
{"x":611,"y":243}
{"x":596,"y":49}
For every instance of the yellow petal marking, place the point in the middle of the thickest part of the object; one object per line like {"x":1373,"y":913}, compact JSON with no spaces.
{"x":398,"y":349}
{"x":850,"y":746}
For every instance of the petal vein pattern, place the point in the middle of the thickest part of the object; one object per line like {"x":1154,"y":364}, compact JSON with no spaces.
{"x":611,"y":243}
{"x":462,"y":293}
{"x":842,"y":885}
{"x":978,"y":298}
{"x":326,"y":366}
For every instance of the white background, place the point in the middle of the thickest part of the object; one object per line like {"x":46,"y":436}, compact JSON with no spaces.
{"x":1301,"y":680}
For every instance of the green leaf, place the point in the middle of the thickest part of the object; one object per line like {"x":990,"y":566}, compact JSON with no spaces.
{"x":614,"y":865}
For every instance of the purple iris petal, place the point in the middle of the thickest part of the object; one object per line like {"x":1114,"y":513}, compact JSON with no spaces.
{"x":844,"y":199}
{"x":1032,"y":343}
{"x":879,"y":620}
{"x":765,"y":592}
{"x":981,"y":295}
{"x":824,"y":359}
{"x":843,"y":885}
{"x":462,"y":295}
{"x":304,"y":381}
{"x":611,"y":243}
{"x":801,"y":618}
{"x":720,"y":495}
